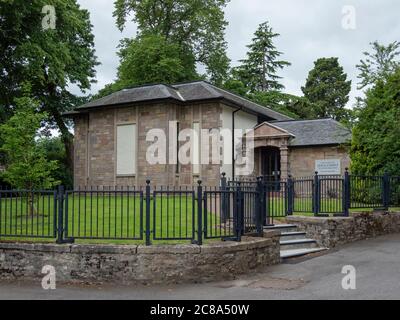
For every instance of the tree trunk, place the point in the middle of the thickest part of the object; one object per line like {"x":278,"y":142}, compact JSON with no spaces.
{"x":66,"y":136}
{"x":31,"y":204}
{"x":67,"y":139}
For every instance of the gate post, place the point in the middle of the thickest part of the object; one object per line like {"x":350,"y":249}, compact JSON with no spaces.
{"x":60,"y":220}
{"x":386,"y":191}
{"x":224,"y":198}
{"x":290,"y":195}
{"x":148,"y":231}
{"x":346,"y":193}
{"x":238,"y":213}
{"x":316,"y":195}
{"x":258,"y":208}
{"x":263,"y":208}
{"x":199,"y":213}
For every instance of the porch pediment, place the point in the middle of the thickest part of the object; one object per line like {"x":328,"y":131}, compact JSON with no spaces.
{"x":268,"y":130}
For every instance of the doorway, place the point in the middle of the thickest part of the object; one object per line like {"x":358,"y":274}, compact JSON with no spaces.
{"x":270,"y":163}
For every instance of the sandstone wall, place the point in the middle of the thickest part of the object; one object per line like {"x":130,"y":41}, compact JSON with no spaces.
{"x":331,"y":232}
{"x":302,"y":160}
{"x":137,"y":264}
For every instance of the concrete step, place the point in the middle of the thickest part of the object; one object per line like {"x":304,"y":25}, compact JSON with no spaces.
{"x":294,"y":235}
{"x":298,"y":244}
{"x":282,"y":227}
{"x":294,"y":253}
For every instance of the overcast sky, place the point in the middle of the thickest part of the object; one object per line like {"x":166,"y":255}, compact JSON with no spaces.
{"x":309,"y":29}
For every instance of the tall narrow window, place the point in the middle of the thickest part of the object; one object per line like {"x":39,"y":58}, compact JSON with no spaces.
{"x":126,"y":149}
{"x":196,"y":148}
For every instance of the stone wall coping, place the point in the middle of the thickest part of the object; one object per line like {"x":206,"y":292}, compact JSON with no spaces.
{"x":39,"y":247}
{"x":171,"y":249}
{"x":322,"y":220}
{"x":315,"y":220}
{"x":330,"y":232}
{"x":247,"y":243}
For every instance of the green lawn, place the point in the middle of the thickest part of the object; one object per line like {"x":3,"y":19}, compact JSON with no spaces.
{"x":105,"y":218}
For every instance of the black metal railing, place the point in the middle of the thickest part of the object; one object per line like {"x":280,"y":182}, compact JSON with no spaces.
{"x":394,"y":191}
{"x":27,"y":213}
{"x":276,"y":198}
{"x":366,"y":191}
{"x":103,"y":213}
{"x":149,"y":214}
{"x":220,"y":214}
{"x":156,"y":214}
{"x":174,"y":214}
{"x":302,"y":194}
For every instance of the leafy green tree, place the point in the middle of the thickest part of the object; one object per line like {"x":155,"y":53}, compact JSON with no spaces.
{"x":55,"y":151}
{"x":236,"y":86}
{"x":328,"y":90}
{"x":288,"y":104}
{"x":276,"y":100}
{"x":383,"y":61}
{"x":259,"y":69}
{"x":376,"y":135}
{"x":197,"y":25}
{"x":51,"y":59}
{"x":26,"y":163}
{"x":152,"y":59}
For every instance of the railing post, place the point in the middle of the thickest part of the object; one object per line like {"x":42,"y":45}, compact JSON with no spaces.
{"x":262,"y":201}
{"x":316,"y":197}
{"x":224,"y":208}
{"x":386,"y":191}
{"x":148,"y":198}
{"x":199,"y":213}
{"x":258,"y":208}
{"x":240,"y":212}
{"x":346,"y":193}
{"x":290,"y":195}
{"x":60,"y":220}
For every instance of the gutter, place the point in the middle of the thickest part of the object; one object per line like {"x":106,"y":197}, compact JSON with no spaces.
{"x":233,"y":142}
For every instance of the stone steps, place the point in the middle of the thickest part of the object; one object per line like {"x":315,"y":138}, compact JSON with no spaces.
{"x":294,"y":253}
{"x":293,"y":235}
{"x":294,"y":243}
{"x":298,"y":244}
{"x":282,"y":227}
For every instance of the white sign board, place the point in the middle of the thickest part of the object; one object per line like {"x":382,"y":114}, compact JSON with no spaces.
{"x":328,"y":167}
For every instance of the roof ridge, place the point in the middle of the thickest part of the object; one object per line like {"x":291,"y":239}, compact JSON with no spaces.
{"x":245,"y":99}
{"x":304,"y":120}
{"x":165,"y":89}
{"x":209,"y":87}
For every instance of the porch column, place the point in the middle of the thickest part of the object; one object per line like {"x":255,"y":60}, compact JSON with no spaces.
{"x":284,"y":162}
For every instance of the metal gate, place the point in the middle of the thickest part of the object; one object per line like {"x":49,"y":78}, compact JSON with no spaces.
{"x":275,"y":198}
{"x":330,"y":196}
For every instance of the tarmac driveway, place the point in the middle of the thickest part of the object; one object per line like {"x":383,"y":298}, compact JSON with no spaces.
{"x":376,"y":261}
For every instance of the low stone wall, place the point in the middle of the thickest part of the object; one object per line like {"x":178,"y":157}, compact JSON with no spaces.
{"x":140,"y":264}
{"x":331,"y":232}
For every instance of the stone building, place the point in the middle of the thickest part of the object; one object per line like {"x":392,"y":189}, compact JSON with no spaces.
{"x":111,"y":137}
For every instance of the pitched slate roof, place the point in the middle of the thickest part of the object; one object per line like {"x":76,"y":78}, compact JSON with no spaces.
{"x":182,"y":93}
{"x":315,"y":132}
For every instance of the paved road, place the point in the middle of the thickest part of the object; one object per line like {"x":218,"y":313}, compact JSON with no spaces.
{"x":377,"y":262}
